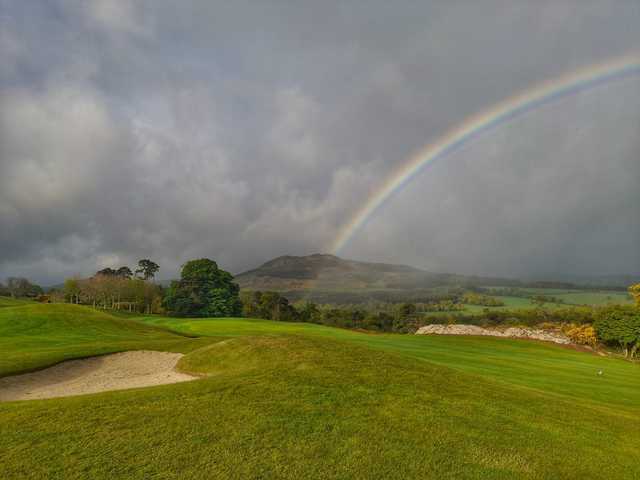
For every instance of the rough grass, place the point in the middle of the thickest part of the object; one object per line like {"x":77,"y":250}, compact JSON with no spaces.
{"x":304,"y":401}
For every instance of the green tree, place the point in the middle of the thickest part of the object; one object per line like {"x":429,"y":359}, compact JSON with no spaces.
{"x":250,"y":303}
{"x":143,"y":294}
{"x":620,"y":325}
{"x":309,"y":312}
{"x":380,"y":321}
{"x":274,"y":306}
{"x":147,"y":269}
{"x":107,"y":272}
{"x":21,"y":287}
{"x":407,"y":310}
{"x":634,"y":290}
{"x":268,"y":305}
{"x":124,"y":272}
{"x":72,"y":290}
{"x":203,"y":290}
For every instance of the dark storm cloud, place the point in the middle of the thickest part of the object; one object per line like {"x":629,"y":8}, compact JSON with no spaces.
{"x":245,"y":130}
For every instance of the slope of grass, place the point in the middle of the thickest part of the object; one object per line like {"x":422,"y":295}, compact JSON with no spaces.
{"x":13,"y":302}
{"x":535,"y":365}
{"x":37,"y":335}
{"x":284,"y":400}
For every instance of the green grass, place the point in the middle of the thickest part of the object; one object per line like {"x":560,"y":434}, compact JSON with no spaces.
{"x":37,"y":335}
{"x":576,"y":297}
{"x":529,"y":364}
{"x":297,"y":401}
{"x":568,"y":298}
{"x":595,"y":298}
{"x":13,"y":302}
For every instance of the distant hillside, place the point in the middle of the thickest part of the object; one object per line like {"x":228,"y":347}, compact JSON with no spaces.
{"x":606,"y":281}
{"x":328,"y":272}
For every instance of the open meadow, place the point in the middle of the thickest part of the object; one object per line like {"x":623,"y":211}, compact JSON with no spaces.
{"x":292,"y":400}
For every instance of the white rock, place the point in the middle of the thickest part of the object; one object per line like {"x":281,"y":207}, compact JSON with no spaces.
{"x":511,"y":332}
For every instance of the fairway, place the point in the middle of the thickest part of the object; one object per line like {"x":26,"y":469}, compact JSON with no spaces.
{"x":287,"y":400}
{"x":536,"y":365}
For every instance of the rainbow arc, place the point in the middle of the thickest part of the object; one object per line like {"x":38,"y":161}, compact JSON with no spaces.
{"x":475,"y":126}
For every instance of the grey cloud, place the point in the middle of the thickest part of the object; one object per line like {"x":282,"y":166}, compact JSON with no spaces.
{"x":246,"y":130}
{"x":543,"y":196}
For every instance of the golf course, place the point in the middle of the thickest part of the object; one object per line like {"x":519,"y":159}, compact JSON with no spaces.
{"x":319,"y":240}
{"x":291,"y":400}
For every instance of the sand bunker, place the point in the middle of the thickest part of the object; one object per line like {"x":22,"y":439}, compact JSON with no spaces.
{"x":97,"y":374}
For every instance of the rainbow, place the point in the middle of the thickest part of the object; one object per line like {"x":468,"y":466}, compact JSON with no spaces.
{"x":477,"y":125}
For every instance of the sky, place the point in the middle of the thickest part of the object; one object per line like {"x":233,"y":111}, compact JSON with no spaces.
{"x":241,"y":131}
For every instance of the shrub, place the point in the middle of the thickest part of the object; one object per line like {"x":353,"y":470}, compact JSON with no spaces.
{"x":619,"y":325}
{"x":582,"y":334}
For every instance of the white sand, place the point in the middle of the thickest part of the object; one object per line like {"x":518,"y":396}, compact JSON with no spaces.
{"x":118,"y":371}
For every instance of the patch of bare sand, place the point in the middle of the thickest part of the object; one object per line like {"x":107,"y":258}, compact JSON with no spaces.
{"x":117,"y":371}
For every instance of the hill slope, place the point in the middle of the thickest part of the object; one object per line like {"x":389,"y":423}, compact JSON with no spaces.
{"x":328,"y":272}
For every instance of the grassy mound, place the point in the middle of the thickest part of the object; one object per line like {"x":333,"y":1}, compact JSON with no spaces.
{"x":535,"y":365}
{"x":37,"y":335}
{"x":282,"y":400}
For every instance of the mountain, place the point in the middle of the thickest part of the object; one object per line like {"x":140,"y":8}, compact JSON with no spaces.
{"x":321,"y":271}
{"x":330,"y":273}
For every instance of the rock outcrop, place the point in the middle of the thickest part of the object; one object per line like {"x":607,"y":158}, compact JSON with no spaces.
{"x":511,"y":332}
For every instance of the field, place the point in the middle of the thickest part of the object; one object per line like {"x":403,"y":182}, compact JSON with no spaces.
{"x":567,"y":298}
{"x":595,"y":298}
{"x":577,"y":297}
{"x":285,"y":400}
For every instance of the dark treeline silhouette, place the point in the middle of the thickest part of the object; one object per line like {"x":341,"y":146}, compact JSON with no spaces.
{"x":401,"y":318}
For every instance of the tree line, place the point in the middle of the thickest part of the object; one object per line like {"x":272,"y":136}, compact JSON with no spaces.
{"x":20,"y":287}
{"x":205,"y":290}
{"x":612,"y":325}
{"x":400,"y":318}
{"x":118,"y":289}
